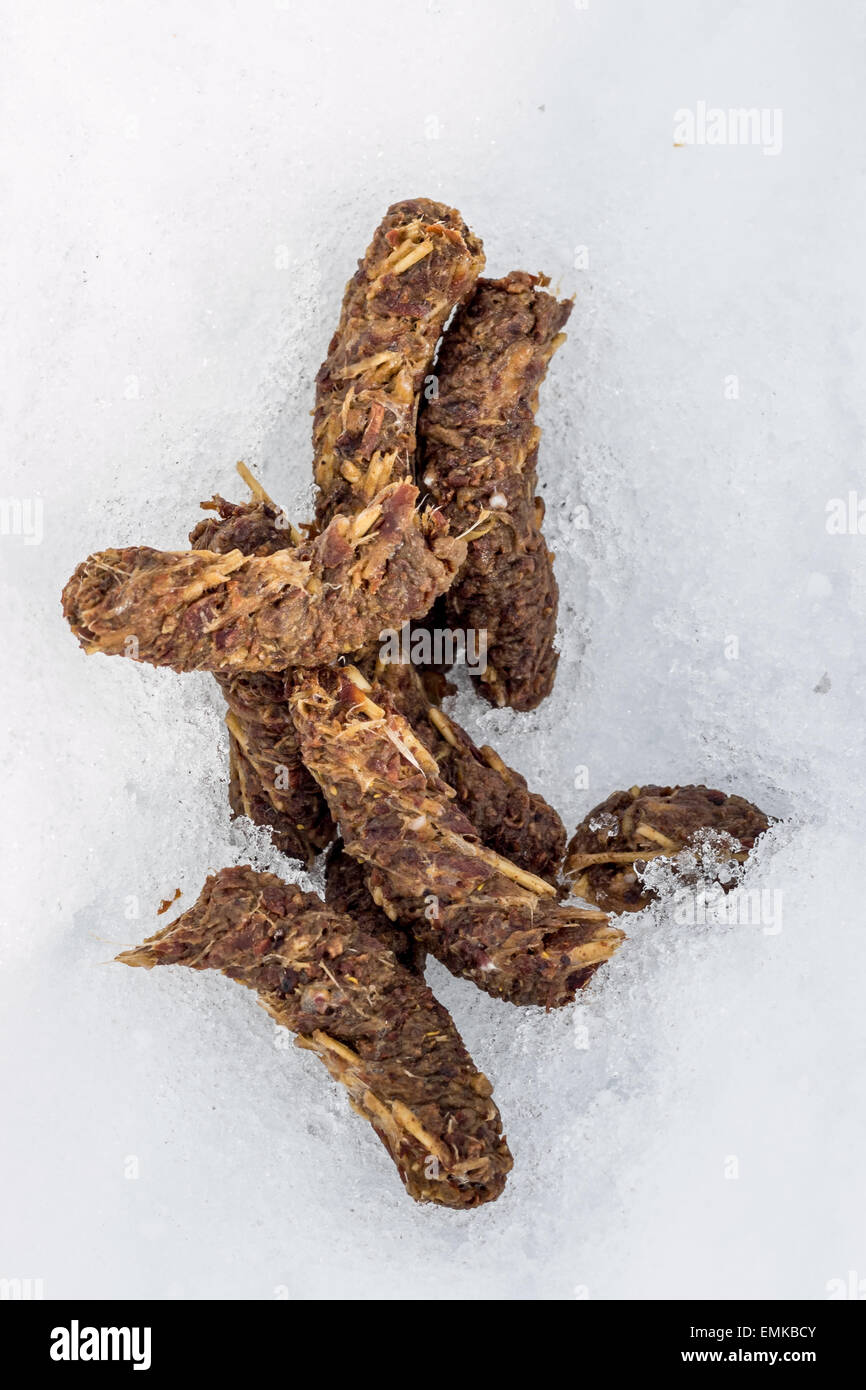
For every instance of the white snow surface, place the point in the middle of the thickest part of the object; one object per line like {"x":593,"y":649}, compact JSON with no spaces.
{"x":187,"y":190}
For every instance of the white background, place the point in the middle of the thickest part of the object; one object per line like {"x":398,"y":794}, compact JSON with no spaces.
{"x":186,"y":190}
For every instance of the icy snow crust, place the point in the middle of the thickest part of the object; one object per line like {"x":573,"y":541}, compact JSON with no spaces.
{"x":189,"y":192}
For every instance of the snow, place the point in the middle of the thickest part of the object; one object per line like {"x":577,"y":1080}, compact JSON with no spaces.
{"x":187,"y":192}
